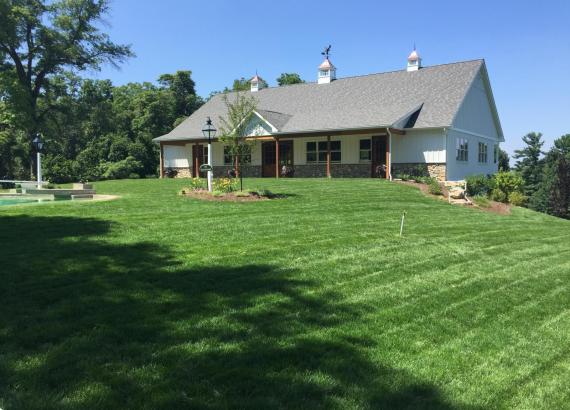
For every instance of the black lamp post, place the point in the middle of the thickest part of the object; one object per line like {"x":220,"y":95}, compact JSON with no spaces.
{"x":209,"y":132}
{"x":38,"y":147}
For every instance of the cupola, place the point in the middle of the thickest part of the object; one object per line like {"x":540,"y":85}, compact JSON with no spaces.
{"x":327,"y":71}
{"x":256,"y":83}
{"x":414,"y":61}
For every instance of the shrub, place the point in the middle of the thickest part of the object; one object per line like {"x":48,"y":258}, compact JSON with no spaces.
{"x":434,"y":188}
{"x":404,"y":177}
{"x":197,"y":183}
{"x":498,"y":195}
{"x":479,"y":184}
{"x":517,"y":198}
{"x":170,"y":173}
{"x":508,"y":182}
{"x":122,"y":169}
{"x":419,"y":171}
{"x":58,"y":169}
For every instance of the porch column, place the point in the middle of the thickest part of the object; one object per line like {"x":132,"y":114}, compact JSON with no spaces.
{"x":389,"y":156}
{"x":328,"y":156}
{"x":276,"y":158}
{"x":161,"y":171}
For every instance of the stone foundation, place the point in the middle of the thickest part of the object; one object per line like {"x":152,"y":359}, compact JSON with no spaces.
{"x":251,"y":171}
{"x":337,"y":171}
{"x":181,"y":172}
{"x":435,"y":170}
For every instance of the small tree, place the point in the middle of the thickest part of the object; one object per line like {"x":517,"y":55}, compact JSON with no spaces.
{"x":235,"y":128}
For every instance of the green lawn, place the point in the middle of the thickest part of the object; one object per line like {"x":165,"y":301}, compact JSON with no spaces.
{"x":312,"y":301}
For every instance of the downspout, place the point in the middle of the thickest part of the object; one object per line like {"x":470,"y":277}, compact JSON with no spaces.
{"x":389,"y":165}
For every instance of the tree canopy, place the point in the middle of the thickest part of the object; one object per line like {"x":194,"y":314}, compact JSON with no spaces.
{"x":289,"y":78}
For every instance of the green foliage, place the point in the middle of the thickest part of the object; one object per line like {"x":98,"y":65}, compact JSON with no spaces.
{"x":504,"y":161}
{"x":225,"y":185}
{"x":434,"y":188}
{"x":508,"y":182}
{"x":58,"y":169}
{"x":242,"y":84}
{"x":498,"y":195}
{"x":553,"y":195}
{"x":122,"y":169}
{"x":517,"y":198}
{"x":529,"y":163}
{"x":482,"y":201}
{"x":289,"y":78}
{"x":479,"y":184}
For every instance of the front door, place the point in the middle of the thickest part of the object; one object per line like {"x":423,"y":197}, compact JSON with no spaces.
{"x":379,"y":148}
{"x":268,"y":155}
{"x":199,"y":154}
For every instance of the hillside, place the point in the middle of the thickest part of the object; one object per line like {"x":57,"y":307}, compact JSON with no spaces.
{"x":311,"y":301}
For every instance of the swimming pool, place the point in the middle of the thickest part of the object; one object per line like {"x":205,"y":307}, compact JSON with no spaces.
{"x":19,"y":201}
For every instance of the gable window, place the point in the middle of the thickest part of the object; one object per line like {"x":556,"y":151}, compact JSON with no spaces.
{"x":365,"y":150}
{"x":229,"y":158}
{"x":317,"y":151}
{"x":462,"y":146}
{"x":482,"y":152}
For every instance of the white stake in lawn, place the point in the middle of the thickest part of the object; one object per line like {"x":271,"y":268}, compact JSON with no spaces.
{"x":402,"y":223}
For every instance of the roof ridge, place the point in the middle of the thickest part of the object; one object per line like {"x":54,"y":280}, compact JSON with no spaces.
{"x":358,"y":76}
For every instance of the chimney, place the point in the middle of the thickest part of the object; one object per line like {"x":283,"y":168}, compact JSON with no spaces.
{"x":414,"y":61}
{"x":257,"y":83}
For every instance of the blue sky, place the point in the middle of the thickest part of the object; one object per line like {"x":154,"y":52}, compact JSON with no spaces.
{"x":526,"y":45}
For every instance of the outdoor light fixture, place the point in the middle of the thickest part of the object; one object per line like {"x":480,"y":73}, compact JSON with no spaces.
{"x":38,"y":143}
{"x":38,"y":146}
{"x":209,"y":132}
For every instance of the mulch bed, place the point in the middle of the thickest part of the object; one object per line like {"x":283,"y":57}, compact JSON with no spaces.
{"x":230,"y":196}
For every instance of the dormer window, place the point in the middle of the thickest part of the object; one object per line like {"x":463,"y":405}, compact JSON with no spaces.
{"x":323,"y":73}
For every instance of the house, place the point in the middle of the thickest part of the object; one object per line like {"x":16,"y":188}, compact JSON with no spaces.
{"x":441,"y":119}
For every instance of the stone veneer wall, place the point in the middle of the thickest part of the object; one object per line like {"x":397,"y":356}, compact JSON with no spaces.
{"x":435,"y":170}
{"x":251,"y":171}
{"x":337,"y":170}
{"x":182,"y":172}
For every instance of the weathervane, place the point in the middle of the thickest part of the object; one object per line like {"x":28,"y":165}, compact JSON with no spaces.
{"x":326,"y":51}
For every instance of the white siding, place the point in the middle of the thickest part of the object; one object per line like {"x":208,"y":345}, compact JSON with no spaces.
{"x":457,"y":170}
{"x":419,"y":146}
{"x":475,"y":113}
{"x":176,"y":156}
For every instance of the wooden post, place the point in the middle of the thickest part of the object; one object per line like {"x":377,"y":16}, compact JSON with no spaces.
{"x":328,"y":156}
{"x":388,"y":157}
{"x":276,"y":158}
{"x":161,"y":171}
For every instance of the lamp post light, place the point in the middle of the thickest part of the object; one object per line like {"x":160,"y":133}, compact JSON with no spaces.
{"x":38,"y":146}
{"x":209,"y":132}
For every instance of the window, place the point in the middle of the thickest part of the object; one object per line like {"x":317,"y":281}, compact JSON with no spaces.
{"x":462,"y":145}
{"x":365,"y":150}
{"x":496,"y":154}
{"x":317,"y":152}
{"x":229,"y":158}
{"x":323,"y":73}
{"x":482,"y":152}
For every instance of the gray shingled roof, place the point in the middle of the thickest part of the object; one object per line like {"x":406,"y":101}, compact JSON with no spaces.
{"x":375,"y":100}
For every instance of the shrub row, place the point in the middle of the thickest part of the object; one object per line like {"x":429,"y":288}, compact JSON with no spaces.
{"x":504,"y":187}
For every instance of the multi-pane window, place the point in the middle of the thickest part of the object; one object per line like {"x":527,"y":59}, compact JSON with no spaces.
{"x":229,"y":158}
{"x":496,"y":154}
{"x":317,"y":151}
{"x":462,"y":146}
{"x":365,"y":150}
{"x":482,"y":152}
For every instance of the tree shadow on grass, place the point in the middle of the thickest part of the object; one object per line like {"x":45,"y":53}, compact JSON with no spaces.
{"x":86,"y":323}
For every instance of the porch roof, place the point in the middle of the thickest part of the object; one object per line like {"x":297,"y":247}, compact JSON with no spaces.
{"x":352,"y":103}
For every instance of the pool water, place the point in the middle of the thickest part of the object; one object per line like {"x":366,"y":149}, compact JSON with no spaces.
{"x":18,"y":201}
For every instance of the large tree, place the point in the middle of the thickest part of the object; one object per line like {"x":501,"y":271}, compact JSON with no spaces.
{"x":529,"y":162}
{"x":41,"y":39}
{"x":289,"y":78}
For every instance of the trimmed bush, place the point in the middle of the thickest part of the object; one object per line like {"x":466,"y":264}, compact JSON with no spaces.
{"x":498,"y":195}
{"x":479,"y":184}
{"x":517,"y":198}
{"x":508,"y":182}
{"x":434,"y":188}
{"x":122,"y":169}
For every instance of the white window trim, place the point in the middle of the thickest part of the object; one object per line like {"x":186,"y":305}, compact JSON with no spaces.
{"x":317,"y":153}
